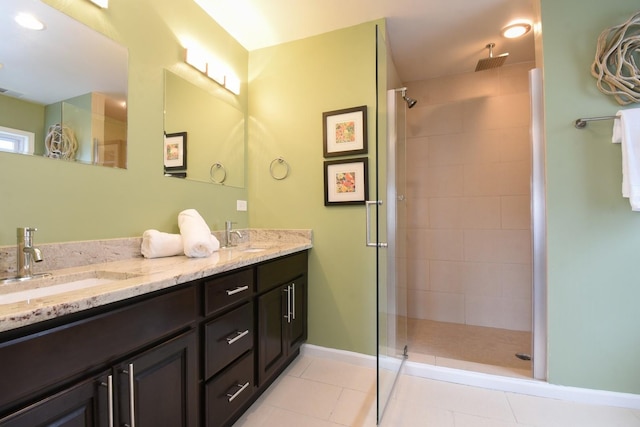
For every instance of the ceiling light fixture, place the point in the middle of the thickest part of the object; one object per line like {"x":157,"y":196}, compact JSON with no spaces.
{"x":516,"y":30}
{"x":29,"y":21}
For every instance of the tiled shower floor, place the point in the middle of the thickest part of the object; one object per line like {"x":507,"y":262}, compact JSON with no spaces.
{"x":473,"y":348}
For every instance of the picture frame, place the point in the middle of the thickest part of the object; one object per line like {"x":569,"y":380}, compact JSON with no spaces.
{"x":175,"y":151}
{"x":345,"y":182}
{"x":344,"y":131}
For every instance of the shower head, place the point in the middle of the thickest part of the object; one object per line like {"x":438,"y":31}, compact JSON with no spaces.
{"x":491,"y":61}
{"x":410,"y":101}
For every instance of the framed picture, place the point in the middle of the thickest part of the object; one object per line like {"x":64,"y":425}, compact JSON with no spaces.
{"x":345,"y":131}
{"x":175,"y":151}
{"x":345,"y":182}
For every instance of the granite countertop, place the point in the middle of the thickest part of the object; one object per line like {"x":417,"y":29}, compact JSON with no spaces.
{"x":134,"y":277}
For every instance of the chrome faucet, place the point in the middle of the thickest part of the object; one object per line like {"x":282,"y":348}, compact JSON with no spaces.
{"x":27,"y":253}
{"x":228,"y":231}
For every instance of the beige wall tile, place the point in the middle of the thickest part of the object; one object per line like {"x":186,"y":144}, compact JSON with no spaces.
{"x":498,"y":312}
{"x":483,"y":146}
{"x":517,"y":281}
{"x":418,"y":242}
{"x":481,"y":279}
{"x":445,"y":212}
{"x":445,"y":181}
{"x":446,"y":276}
{"x":515,"y":78}
{"x":417,"y":212}
{"x":500,"y":246}
{"x":468,"y":171}
{"x":496,"y":112}
{"x":440,"y":306}
{"x":516,"y":212}
{"x":445,"y":245}
{"x":418,"y":274}
{"x":448,"y":149}
{"x":483,"y":179}
{"x":480,"y":212}
{"x":515,"y":144}
{"x":515,"y":178}
{"x":435,"y":119}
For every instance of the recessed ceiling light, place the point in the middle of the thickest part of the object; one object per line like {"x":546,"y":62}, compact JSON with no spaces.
{"x":29,"y":21}
{"x":516,"y":30}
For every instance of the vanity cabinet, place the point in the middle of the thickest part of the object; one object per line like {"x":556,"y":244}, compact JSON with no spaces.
{"x":198,"y":354}
{"x":148,"y":346}
{"x":155,"y":388}
{"x":282,"y":313}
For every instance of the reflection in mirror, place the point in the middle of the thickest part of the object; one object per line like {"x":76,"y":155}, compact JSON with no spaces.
{"x":215,"y":129}
{"x":63,"y":89}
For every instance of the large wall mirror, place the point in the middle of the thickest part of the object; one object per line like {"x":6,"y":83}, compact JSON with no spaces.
{"x":63,"y":88}
{"x":204,"y":132}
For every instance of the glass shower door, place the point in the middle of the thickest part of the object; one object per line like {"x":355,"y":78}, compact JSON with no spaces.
{"x":389,"y":238}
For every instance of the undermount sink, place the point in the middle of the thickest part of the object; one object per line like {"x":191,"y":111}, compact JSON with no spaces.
{"x":40,"y":287}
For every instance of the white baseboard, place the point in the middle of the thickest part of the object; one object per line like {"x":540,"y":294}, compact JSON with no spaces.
{"x":494,"y":382}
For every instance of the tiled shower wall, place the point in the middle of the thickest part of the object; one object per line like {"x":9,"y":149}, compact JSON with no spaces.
{"x":468,"y":199}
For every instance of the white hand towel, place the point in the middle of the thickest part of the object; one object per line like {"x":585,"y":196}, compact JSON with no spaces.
{"x":157,"y":244}
{"x":626,"y":130}
{"x":198,"y":242}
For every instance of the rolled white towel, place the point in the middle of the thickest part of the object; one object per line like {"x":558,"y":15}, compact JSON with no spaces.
{"x":198,"y":242}
{"x":157,"y":244}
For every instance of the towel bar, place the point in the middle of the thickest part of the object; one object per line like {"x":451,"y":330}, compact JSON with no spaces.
{"x":582,"y":123}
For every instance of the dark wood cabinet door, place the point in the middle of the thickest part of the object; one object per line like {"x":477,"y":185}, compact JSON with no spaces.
{"x":272,"y":350}
{"x":83,"y":405}
{"x":297,"y":327}
{"x":164,"y":383}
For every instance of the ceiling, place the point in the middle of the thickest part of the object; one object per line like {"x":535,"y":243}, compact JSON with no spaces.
{"x":428,"y":38}
{"x":64,"y":60}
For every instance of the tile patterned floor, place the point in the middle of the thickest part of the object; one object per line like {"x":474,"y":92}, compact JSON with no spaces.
{"x":318,"y":392}
{"x":473,"y":348}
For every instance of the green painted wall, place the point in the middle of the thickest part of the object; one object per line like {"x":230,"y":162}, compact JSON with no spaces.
{"x":23,"y":115}
{"x":593,"y":236}
{"x":291,"y":85}
{"x":69,"y":201}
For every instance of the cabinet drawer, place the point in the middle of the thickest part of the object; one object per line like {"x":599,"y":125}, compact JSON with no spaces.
{"x":227,"y":337}
{"x":227,"y":290}
{"x":282,"y":270}
{"x":229,"y":392}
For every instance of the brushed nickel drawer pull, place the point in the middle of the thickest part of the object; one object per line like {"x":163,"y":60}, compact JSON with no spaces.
{"x":236,"y":290}
{"x":237,"y":393}
{"x":237,"y":337}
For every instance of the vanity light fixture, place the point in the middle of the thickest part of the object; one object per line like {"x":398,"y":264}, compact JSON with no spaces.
{"x":196,"y":59}
{"x":515,"y":30}
{"x":212,"y":69}
{"x":29,"y":21}
{"x":216,"y":73}
{"x":101,"y":3}
{"x":232,"y":83}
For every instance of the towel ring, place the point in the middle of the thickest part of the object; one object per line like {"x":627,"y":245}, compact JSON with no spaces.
{"x":217,"y":166}
{"x":275,"y":162}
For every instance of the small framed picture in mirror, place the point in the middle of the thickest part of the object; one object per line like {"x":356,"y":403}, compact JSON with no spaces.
{"x":175,"y":151}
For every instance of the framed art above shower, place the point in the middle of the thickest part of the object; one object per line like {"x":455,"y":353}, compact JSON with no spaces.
{"x":344,"y":131}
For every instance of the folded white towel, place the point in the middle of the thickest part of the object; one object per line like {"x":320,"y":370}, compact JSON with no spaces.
{"x":198,"y":242}
{"x":626,"y":130}
{"x":157,"y":244}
